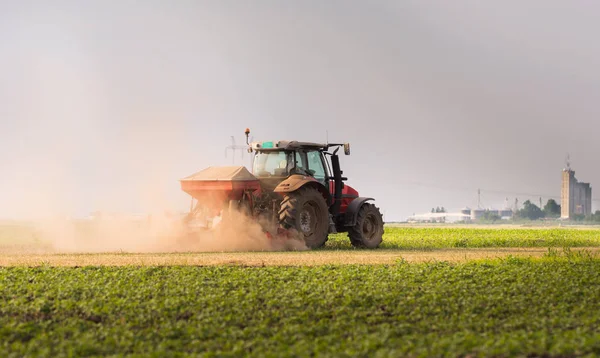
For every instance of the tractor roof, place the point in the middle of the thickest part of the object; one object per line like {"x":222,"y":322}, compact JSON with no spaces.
{"x":287,"y":145}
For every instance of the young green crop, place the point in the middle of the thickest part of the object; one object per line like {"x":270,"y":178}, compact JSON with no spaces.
{"x":503,"y":308}
{"x":444,"y":237}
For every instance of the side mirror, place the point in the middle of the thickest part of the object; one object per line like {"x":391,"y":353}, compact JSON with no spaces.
{"x":347,"y":148}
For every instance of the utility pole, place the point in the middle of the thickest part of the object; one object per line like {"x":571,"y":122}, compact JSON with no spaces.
{"x":478,"y":198}
{"x":540,"y":202}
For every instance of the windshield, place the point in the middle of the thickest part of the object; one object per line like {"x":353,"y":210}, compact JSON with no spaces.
{"x":273,"y":164}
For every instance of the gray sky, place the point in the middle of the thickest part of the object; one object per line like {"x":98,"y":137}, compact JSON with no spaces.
{"x":106,"y":104}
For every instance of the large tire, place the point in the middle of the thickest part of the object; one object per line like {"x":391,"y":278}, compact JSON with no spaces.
{"x":305,"y":210}
{"x":368,"y":231}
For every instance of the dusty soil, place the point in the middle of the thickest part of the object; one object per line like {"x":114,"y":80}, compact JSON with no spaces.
{"x":307,"y":258}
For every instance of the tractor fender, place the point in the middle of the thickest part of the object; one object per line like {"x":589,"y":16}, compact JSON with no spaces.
{"x":297,"y":181}
{"x":352,"y":211}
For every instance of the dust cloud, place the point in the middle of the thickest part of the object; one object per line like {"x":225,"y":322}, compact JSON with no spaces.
{"x":160,"y":233}
{"x":129,"y":180}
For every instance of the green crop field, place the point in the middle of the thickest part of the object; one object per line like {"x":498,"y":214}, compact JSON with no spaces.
{"x":508,"y":307}
{"x":426,"y":292}
{"x":408,"y":238}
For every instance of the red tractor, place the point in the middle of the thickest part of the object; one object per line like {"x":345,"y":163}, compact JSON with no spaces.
{"x":299,"y":185}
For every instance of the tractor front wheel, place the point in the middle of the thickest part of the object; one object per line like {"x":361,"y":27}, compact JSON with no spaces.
{"x":305,"y":210}
{"x":368,"y":231}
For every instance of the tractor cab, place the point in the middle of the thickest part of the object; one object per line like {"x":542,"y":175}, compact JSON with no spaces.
{"x":274,"y":162}
{"x":283,"y":158}
{"x":282,"y":165}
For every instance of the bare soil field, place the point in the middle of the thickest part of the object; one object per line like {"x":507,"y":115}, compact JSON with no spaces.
{"x":304,"y":258}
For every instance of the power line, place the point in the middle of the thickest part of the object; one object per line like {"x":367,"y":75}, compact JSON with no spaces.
{"x":494,"y":191}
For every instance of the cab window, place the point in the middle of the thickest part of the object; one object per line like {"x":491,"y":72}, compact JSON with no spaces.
{"x":301,"y":166}
{"x":272,"y":163}
{"x":315,"y":165}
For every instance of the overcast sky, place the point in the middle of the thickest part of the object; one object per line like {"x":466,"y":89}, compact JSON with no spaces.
{"x":106,"y":104}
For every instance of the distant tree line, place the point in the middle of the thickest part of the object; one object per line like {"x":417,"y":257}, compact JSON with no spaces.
{"x":530,"y":211}
{"x":438,"y":210}
{"x":550,"y":211}
{"x":533,"y":212}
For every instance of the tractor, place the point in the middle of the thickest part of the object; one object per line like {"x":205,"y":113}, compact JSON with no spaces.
{"x":298,"y":185}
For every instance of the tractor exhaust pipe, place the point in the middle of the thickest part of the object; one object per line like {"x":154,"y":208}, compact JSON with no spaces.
{"x":338,"y":184}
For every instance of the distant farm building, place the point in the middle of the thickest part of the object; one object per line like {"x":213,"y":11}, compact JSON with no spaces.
{"x":465,"y":215}
{"x":575,"y":197}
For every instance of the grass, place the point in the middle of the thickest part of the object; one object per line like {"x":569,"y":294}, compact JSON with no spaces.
{"x":503,"y":307}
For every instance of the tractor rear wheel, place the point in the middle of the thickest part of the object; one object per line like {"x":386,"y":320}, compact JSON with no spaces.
{"x":368,"y":231}
{"x":305,"y":210}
